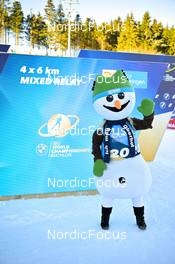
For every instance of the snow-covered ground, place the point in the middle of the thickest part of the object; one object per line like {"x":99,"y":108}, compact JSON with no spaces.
{"x":66,"y":230}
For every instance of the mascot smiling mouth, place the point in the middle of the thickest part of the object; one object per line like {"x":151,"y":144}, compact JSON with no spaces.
{"x":114,"y":109}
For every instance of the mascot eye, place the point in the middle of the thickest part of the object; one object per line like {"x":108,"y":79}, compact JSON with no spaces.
{"x":121,"y":95}
{"x":109,"y":98}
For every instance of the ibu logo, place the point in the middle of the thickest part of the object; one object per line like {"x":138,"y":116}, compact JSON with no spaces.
{"x":42,"y":149}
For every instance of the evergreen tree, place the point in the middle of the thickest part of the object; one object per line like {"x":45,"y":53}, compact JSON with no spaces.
{"x":36,"y":30}
{"x":165,"y":45}
{"x":60,"y":15}
{"x":171,"y":48}
{"x":146,"y":39}
{"x":113,"y":34}
{"x":128,"y":39}
{"x":88,"y":39}
{"x":148,"y":36}
{"x":16,"y":20}
{"x":76,"y":34}
{"x":100,"y":35}
{"x":53,"y":23}
{"x":58,"y":37}
{"x":4,"y":19}
{"x":157,"y":30}
{"x":77,"y":18}
{"x":50,"y":12}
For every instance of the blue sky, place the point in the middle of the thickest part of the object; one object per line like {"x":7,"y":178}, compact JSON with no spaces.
{"x":104,"y":10}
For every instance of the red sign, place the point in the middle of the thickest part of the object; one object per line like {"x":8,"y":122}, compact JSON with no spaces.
{"x":171,"y":124}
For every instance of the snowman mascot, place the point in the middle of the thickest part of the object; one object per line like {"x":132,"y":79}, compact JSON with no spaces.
{"x":120,"y":170}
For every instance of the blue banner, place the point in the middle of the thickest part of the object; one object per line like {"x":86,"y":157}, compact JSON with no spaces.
{"x":47,"y":119}
{"x":98,"y":54}
{"x":165,"y":97}
{"x":4,"y":47}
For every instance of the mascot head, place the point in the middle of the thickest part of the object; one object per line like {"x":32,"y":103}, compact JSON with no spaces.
{"x":113,"y":97}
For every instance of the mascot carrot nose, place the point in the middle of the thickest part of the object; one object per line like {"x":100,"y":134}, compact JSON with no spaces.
{"x":118,"y":104}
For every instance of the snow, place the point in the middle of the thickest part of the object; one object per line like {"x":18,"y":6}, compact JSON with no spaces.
{"x":27,"y":226}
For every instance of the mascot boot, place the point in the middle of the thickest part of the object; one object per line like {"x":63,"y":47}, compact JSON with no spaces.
{"x":139,"y":213}
{"x":105,"y":217}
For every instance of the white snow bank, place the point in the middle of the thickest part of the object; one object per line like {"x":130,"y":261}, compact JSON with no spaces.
{"x":28,"y":227}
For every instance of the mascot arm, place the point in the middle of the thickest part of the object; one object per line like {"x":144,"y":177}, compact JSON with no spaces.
{"x":99,"y":164}
{"x":140,"y":124}
{"x":147,"y":110}
{"x":97,"y":140}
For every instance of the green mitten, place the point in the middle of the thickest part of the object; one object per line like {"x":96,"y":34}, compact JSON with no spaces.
{"x":99,"y":167}
{"x":147,"y":107}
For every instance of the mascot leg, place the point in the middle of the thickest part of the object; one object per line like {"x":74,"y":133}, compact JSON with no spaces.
{"x":138,"y":206}
{"x":106,"y":210}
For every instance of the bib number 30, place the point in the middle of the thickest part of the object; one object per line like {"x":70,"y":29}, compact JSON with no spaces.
{"x":115,"y":153}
